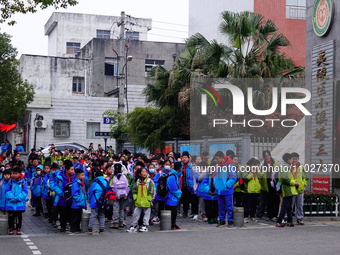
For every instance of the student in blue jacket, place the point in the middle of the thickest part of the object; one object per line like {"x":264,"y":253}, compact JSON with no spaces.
{"x":174,"y":193}
{"x":79,"y":200}
{"x":46,"y":198}
{"x":93,"y":196}
{"x":58,"y":184}
{"x":224,"y":181}
{"x":6,"y":176}
{"x":36,"y":190}
{"x":210,"y":198}
{"x":16,"y":196}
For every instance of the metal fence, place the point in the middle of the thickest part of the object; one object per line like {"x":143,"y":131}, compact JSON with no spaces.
{"x":259,"y":144}
{"x":295,"y":12}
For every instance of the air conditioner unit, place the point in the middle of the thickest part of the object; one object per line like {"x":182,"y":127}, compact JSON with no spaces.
{"x":40,"y":124}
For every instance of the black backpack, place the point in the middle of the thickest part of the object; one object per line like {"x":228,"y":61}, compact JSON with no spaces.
{"x":67,"y":194}
{"x":161,"y":188}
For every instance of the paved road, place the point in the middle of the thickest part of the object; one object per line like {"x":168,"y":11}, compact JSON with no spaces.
{"x":314,"y":238}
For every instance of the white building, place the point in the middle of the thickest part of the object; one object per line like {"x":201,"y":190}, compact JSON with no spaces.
{"x":72,"y":91}
{"x":69,"y":32}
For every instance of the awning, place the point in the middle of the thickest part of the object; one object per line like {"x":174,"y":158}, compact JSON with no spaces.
{"x":7,"y":127}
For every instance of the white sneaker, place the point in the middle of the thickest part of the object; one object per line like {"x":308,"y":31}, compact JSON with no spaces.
{"x":143,"y":229}
{"x":131,"y":230}
{"x":254,"y":220}
{"x":195,"y":217}
{"x":156,"y":220}
{"x":246,"y":220}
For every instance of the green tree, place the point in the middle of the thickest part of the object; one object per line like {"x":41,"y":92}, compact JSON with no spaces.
{"x":10,"y":7}
{"x":15,"y":93}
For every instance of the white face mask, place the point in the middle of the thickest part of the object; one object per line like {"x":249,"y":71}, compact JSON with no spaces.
{"x":38,"y":172}
{"x":167,"y":167}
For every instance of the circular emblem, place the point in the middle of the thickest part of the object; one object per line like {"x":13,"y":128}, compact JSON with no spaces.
{"x":322,"y":16}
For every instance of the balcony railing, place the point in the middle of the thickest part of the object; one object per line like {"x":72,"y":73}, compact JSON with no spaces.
{"x":295,"y":12}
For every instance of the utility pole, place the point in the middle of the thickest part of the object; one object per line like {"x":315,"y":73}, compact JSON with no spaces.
{"x":121,"y":95}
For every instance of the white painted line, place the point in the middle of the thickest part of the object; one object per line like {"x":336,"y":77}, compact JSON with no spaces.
{"x":36,"y":252}
{"x":33,"y":247}
{"x":24,"y":236}
{"x":27,"y":240}
{"x":29,"y":243}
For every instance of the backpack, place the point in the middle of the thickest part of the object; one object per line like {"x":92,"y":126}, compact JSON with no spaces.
{"x":107,"y":197}
{"x":121,"y":186}
{"x":67,"y":194}
{"x":161,"y":188}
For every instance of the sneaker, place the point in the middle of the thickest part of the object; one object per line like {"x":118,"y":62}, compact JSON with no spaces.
{"x":274,"y":219}
{"x":254,"y":220}
{"x":221,"y":223}
{"x":204,"y":219}
{"x":114,"y":225}
{"x":150,"y":222}
{"x":11,"y":232}
{"x":122,"y":224}
{"x":284,"y":221}
{"x":89,"y":231}
{"x":155,"y":220}
{"x":230,"y":224}
{"x":185,"y":215}
{"x":18,"y":232}
{"x":279,"y":225}
{"x":246,"y":220}
{"x":300,"y":222}
{"x":54,"y":224}
{"x":143,"y":229}
{"x":101,"y":231}
{"x":195,"y":217}
{"x":175,"y":227}
{"x":191,"y":215}
{"x":132,"y":229}
{"x":290,"y":224}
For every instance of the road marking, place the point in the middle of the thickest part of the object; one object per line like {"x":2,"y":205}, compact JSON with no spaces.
{"x":30,"y":245}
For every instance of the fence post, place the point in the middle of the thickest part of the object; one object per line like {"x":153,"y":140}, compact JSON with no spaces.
{"x":245,"y":147}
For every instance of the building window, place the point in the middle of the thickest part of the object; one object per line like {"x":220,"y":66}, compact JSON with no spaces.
{"x":296,"y":9}
{"x":132,"y":36}
{"x":78,"y":85}
{"x":103,"y":34}
{"x":150,"y":63}
{"x":111,"y":66}
{"x":72,"y":48}
{"x":61,"y":128}
{"x":91,"y":128}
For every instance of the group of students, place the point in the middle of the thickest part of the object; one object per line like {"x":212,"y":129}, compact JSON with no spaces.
{"x":142,"y":187}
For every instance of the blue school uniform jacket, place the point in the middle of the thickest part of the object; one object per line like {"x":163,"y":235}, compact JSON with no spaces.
{"x":36,"y":186}
{"x":208,"y":186}
{"x":45,"y":190}
{"x":3,"y":184}
{"x":225,"y":179}
{"x":190,"y":176}
{"x":16,"y":195}
{"x":173,"y":188}
{"x":96,"y":191}
{"x":57,"y":185}
{"x":78,"y":195}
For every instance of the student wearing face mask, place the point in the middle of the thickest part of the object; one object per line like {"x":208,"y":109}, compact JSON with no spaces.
{"x":36,"y":190}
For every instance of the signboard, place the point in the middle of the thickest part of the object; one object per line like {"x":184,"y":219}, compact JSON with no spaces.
{"x":102,"y":134}
{"x":108,"y":120}
{"x":323,"y":13}
{"x":321,"y":183}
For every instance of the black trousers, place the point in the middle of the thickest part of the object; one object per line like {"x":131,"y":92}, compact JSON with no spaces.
{"x":65,"y":215}
{"x":109,"y":212}
{"x":211,"y":209}
{"x":37,"y":204}
{"x":76,"y":219}
{"x":173,"y":210}
{"x":161,"y":206}
{"x":187,"y":199}
{"x":15,"y":219}
{"x":238,"y":199}
{"x":250,"y":203}
{"x":286,"y":207}
{"x":273,"y":203}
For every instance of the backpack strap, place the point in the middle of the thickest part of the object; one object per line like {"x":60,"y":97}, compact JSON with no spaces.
{"x":102,"y":186}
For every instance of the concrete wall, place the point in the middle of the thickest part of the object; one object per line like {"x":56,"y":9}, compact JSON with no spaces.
{"x":81,"y":28}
